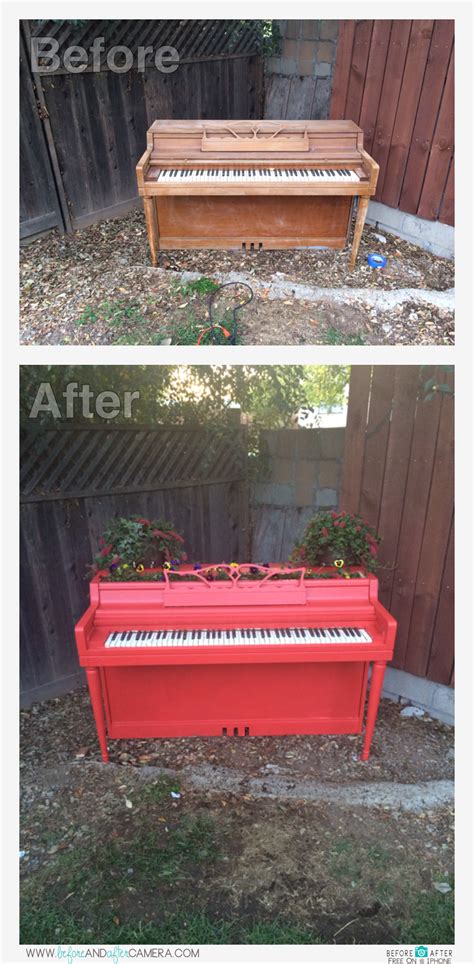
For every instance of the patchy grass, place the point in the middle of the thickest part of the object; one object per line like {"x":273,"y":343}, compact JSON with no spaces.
{"x":135,"y":323}
{"x":335,"y":337}
{"x":432,"y":915}
{"x":201,"y":286}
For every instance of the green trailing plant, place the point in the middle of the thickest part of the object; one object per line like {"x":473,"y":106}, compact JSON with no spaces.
{"x":130,"y":546}
{"x":332,"y":538}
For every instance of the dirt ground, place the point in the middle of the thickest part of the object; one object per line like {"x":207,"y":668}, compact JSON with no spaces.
{"x":97,"y":287}
{"x":257,"y":870}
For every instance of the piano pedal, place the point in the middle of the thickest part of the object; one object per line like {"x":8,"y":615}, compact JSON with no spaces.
{"x":236,"y":731}
{"x":252,"y":246}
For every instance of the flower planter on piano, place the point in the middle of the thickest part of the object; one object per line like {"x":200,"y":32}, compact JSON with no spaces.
{"x":254,"y":185}
{"x":189,"y":657}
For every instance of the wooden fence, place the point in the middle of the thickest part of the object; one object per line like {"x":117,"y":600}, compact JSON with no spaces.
{"x":396,"y":79}
{"x":83,"y":133}
{"x":398,"y":473}
{"x":74,"y":481}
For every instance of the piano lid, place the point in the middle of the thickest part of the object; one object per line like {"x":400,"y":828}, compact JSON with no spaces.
{"x":189,"y":589}
{"x":254,"y":139}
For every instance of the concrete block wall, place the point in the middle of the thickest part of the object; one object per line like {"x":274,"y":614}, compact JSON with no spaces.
{"x":304,"y":475}
{"x":298,"y":81}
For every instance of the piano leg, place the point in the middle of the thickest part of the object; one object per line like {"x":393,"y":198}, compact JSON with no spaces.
{"x":95,"y":690}
{"x":149,"y":205}
{"x":359,"y":227}
{"x":376,"y":681}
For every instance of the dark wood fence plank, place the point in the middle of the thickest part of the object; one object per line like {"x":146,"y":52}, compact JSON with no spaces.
{"x":392,"y":501}
{"x":412,"y":526}
{"x":342,"y":68}
{"x":433,"y":84}
{"x":415,"y":66}
{"x":441,"y":152}
{"x":373,"y":80}
{"x":392,"y":82}
{"x":440,"y":665}
{"x":435,"y":542}
{"x":354,"y":444}
{"x":446,"y":214}
{"x":378,"y":429}
{"x":360,"y":57}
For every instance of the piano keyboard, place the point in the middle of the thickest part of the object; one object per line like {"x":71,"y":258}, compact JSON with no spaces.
{"x":236,"y":637}
{"x":288,"y":176}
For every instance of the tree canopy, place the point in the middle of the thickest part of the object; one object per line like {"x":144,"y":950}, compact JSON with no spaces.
{"x":266,"y":395}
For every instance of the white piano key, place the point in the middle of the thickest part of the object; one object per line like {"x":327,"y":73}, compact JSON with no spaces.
{"x":166,"y":639}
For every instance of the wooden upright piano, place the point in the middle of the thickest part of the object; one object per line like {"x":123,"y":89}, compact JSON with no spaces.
{"x":279,"y":654}
{"x":253,"y":185}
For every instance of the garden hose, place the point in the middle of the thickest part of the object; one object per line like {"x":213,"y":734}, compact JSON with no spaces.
{"x":216,"y":326}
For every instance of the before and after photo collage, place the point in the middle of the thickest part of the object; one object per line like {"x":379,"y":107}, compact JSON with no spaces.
{"x":236,"y":385}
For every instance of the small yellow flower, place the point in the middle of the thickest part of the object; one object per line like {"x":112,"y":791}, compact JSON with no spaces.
{"x":234,"y":565}
{"x":339,"y":563}
{"x":166,"y":565}
{"x":140,"y":567}
{"x":125,"y":565}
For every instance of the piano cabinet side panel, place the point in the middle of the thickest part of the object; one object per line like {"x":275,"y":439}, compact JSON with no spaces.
{"x":252,"y":699}
{"x":272,"y":222}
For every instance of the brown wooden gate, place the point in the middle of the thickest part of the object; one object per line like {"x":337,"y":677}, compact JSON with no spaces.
{"x":398,"y":473}
{"x":396,"y":79}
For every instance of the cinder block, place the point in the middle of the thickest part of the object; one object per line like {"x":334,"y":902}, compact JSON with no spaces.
{"x":331,"y":442}
{"x":287,"y":442}
{"x":329,"y":474}
{"x":272,"y":65}
{"x":304,"y":494}
{"x":273,"y":493}
{"x":307,"y":443}
{"x":328,"y":29}
{"x":326,"y":498}
{"x":270,"y":439}
{"x":306,"y":472}
{"x":325,"y":52}
{"x":322,"y":70}
{"x":305,"y":68}
{"x":289,"y":67}
{"x":283,"y":470}
{"x":290,"y":49}
{"x":292,"y":29}
{"x":310,"y":29}
{"x":307,"y":50}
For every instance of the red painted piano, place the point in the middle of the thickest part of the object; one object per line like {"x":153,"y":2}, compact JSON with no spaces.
{"x":277,"y":654}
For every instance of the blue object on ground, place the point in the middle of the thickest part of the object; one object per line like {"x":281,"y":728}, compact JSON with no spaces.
{"x":376,"y":260}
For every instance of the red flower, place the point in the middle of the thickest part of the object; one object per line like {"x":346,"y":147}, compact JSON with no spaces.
{"x":324,"y":532}
{"x":342,"y":525}
{"x":158,"y":534}
{"x":144,"y":522}
{"x":106,"y":550}
{"x":174,"y":535}
{"x":334,"y":515}
{"x":357,"y":528}
{"x":373,"y":551}
{"x":335,"y":523}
